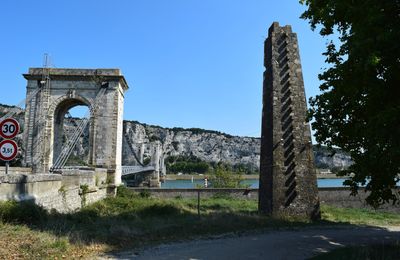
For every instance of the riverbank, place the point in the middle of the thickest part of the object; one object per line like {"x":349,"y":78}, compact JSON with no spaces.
{"x":245,"y":177}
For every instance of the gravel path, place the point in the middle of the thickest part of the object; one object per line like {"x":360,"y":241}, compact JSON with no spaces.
{"x":297,"y":244}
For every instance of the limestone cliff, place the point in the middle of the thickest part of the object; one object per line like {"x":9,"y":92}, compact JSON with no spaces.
{"x":207,"y":145}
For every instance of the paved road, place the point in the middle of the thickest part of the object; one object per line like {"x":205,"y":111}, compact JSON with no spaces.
{"x":299,"y":244}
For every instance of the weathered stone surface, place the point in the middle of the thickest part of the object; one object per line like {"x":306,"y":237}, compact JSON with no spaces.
{"x":288,"y":183}
{"x":63,"y":193}
{"x":26,"y":178}
{"x":64,"y":89}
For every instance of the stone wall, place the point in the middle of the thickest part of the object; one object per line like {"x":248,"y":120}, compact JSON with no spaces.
{"x":64,"y":193}
{"x":204,"y":193}
{"x":16,"y":170}
{"x":341,"y":197}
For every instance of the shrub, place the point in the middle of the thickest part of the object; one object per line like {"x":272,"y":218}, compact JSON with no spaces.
{"x":124,"y":192}
{"x":223,"y":178}
{"x":26,"y":212}
{"x":145,"y":194}
{"x":160,"y":210}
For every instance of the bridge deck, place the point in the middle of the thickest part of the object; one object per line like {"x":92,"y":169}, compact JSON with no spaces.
{"x":129,"y":170}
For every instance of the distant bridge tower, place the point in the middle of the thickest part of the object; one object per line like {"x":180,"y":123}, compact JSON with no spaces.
{"x":156,"y":161}
{"x":101,"y":90}
{"x":288,"y":184}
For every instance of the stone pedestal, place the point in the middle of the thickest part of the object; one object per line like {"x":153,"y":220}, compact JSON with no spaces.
{"x":288,"y":184}
{"x":155,"y":183}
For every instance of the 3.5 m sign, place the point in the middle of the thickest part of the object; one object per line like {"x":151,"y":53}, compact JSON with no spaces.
{"x":8,"y":150}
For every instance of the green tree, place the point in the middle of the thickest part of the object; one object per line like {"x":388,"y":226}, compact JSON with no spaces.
{"x":223,"y":178}
{"x":359,"y":108}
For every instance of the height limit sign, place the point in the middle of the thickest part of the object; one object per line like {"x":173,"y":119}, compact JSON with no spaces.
{"x":8,"y":150}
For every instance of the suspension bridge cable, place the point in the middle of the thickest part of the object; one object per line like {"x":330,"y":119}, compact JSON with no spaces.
{"x":68,"y":148}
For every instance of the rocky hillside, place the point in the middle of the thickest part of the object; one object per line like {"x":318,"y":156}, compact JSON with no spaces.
{"x":208,"y":146}
{"x":205,"y":145}
{"x":324,"y":159}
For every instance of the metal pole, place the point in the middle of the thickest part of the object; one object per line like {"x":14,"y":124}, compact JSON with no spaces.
{"x":198,"y":203}
{"x":7,"y":167}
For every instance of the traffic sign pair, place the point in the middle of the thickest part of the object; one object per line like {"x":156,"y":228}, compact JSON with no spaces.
{"x":9,"y":128}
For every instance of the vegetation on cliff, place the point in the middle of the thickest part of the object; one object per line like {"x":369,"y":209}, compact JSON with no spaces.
{"x":186,"y":164}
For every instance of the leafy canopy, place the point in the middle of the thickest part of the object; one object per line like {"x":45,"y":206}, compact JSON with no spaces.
{"x":359,"y":108}
{"x":225,"y":178}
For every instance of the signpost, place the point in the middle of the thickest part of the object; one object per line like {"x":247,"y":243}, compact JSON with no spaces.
{"x":9,"y":128}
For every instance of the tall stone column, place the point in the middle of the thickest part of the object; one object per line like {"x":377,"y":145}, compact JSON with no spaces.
{"x":155,"y":179}
{"x":288,"y":183}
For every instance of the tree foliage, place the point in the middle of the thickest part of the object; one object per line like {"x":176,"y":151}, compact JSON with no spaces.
{"x":186,"y":164}
{"x":224,"y":178}
{"x":359,"y":107}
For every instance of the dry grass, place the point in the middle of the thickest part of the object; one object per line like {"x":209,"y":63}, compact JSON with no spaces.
{"x":21,"y":242}
{"x":132,"y":221}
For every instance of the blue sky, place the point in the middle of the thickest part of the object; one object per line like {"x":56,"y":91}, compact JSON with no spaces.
{"x":189,"y":63}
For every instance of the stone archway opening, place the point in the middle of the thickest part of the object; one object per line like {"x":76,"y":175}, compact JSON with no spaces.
{"x":68,"y":116}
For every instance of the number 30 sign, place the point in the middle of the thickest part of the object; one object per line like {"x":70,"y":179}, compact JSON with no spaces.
{"x":9,"y":128}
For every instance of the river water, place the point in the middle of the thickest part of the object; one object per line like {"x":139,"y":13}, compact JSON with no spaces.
{"x":253,"y":183}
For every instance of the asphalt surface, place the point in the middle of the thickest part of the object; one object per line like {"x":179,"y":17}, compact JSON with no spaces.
{"x":294,"y":244}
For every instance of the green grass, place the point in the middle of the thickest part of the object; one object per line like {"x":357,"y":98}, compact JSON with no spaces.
{"x":375,"y":252}
{"x":359,"y":216}
{"x":133,"y":220}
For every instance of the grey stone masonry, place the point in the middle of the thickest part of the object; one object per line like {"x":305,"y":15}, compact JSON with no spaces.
{"x":53,"y":92}
{"x":288,"y":182}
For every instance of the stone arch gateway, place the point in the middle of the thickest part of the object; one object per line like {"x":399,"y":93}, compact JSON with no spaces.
{"x":101,"y":90}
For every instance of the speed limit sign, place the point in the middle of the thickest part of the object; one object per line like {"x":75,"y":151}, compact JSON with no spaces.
{"x":9,"y":128}
{"x":8,"y":150}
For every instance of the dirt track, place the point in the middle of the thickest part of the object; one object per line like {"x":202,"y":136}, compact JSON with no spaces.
{"x":297,"y":244}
